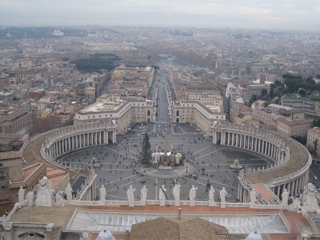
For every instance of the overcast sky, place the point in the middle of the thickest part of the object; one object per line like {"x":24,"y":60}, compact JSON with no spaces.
{"x":251,"y":14}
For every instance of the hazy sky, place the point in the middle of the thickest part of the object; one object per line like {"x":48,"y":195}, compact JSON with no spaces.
{"x":265,"y":14}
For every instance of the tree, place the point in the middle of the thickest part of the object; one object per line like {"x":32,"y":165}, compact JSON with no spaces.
{"x":316,"y":123}
{"x":290,"y":76}
{"x":302,"y":92}
{"x":278,"y":83}
{"x":272,"y":86}
{"x":302,"y":140}
{"x":310,"y":80}
{"x":155,"y":67}
{"x":315,"y":146}
{"x":253,"y":99}
{"x":264,"y":92}
{"x":145,"y":154}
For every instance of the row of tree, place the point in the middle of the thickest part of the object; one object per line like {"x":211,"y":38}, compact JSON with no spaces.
{"x":97,"y":62}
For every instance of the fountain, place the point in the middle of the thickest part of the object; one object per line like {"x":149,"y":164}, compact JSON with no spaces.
{"x":235,"y":165}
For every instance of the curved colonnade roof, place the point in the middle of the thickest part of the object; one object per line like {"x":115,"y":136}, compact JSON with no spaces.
{"x":299,"y":157}
{"x":31,"y":153}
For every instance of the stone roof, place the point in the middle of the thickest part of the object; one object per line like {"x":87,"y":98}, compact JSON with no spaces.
{"x":10,"y":155}
{"x":290,"y":111}
{"x":299,"y":157}
{"x":296,"y":122}
{"x":171,"y":228}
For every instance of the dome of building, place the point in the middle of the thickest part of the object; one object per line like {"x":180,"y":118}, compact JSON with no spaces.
{"x":105,"y":235}
{"x":254,"y":236}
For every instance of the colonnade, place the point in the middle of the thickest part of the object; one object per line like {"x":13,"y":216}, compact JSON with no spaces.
{"x":292,"y":160}
{"x":259,"y":144}
{"x":80,"y":140}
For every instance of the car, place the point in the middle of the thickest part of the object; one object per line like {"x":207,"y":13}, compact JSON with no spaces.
{"x":315,"y":177}
{"x":159,"y":126}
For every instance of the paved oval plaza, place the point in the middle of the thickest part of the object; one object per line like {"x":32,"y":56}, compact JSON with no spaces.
{"x":212,"y":164}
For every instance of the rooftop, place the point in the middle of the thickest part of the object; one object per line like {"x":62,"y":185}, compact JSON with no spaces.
{"x":62,"y":216}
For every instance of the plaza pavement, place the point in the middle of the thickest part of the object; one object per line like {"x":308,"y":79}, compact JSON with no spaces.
{"x":212,"y":162}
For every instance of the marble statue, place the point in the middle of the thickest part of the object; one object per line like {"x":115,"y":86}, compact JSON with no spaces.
{"x":295,"y":205}
{"x":223,"y":195}
{"x":211,"y":193}
{"x":176,"y":194}
{"x":143,"y":195}
{"x":44,"y":193}
{"x":30,"y":198}
{"x":59,"y":200}
{"x":103,"y":194}
{"x":162,"y":195}
{"x":68,"y":192}
{"x":21,"y":195}
{"x":309,"y":201}
{"x":253,"y":197}
{"x":192,"y":193}
{"x":130,"y":195}
{"x":211,"y":196}
{"x":285,"y":197}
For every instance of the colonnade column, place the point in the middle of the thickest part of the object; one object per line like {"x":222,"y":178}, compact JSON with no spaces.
{"x":233,"y":138}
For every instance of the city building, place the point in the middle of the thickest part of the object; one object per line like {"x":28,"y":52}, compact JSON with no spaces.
{"x":307,"y":105}
{"x":37,"y":93}
{"x":203,"y":116}
{"x":123,"y":110}
{"x":285,"y":120}
{"x":15,"y":120}
{"x":313,"y":140}
{"x":240,"y":114}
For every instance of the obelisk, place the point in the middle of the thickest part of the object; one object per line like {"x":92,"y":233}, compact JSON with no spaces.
{"x":165,"y":147}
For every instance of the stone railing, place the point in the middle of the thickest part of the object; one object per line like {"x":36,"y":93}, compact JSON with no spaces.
{"x":285,"y":221}
{"x":172,"y":202}
{"x":14,"y":209}
{"x":86,"y":186}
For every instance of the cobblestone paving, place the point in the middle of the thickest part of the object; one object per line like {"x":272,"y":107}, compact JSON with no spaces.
{"x":212,"y":162}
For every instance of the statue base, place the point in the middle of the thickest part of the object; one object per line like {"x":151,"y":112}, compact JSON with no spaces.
{"x":212,"y":203}
{"x":162,"y":203}
{"x":192,"y":203}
